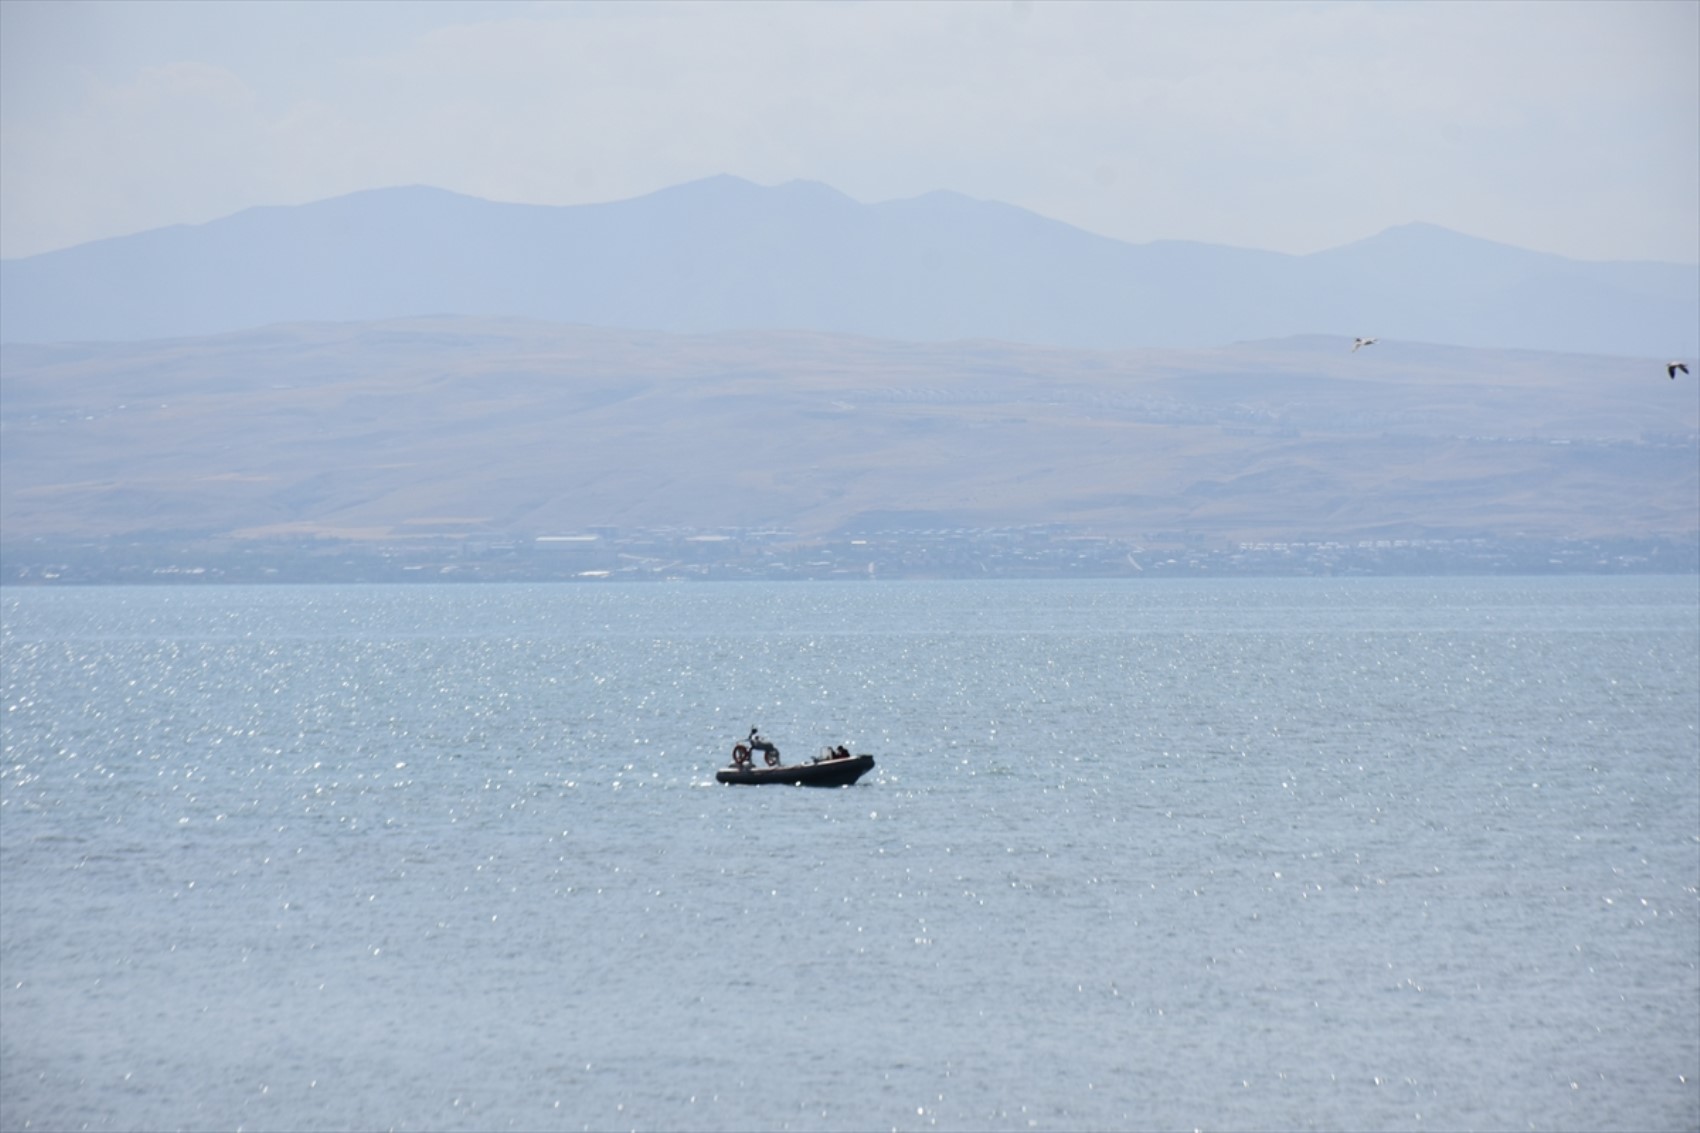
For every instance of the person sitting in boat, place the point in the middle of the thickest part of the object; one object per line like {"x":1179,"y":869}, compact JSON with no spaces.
{"x":841,"y":752}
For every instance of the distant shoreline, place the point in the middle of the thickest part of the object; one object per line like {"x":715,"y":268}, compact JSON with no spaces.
{"x":646,"y":556}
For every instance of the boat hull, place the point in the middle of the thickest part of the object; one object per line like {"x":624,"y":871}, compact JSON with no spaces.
{"x":826,"y":773}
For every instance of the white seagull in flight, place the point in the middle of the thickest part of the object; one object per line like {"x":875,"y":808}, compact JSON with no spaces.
{"x":1362,"y":342}
{"x":1674,"y":367}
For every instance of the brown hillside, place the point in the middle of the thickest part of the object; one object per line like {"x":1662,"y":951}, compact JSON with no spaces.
{"x":455,"y":426}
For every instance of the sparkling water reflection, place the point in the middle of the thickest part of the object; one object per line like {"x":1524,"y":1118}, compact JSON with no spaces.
{"x":1240,"y":855}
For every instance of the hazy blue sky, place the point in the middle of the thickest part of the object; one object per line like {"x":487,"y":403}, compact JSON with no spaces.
{"x":1566,"y":127}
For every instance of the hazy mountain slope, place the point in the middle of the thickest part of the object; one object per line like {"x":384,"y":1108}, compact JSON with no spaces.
{"x":724,"y":254}
{"x":504,"y":427}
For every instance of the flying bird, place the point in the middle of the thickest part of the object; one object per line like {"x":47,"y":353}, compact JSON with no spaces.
{"x":1674,"y":367}
{"x":1362,"y":342}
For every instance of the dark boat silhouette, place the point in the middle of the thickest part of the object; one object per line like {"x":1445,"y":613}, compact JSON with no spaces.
{"x":827,"y":771}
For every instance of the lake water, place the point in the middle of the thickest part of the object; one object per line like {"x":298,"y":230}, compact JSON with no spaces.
{"x":1309,"y":854}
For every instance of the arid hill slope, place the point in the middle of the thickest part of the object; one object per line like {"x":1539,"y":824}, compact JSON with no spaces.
{"x":435,"y":426}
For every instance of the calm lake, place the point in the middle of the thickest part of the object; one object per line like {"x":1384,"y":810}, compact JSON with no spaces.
{"x":1246,"y":855}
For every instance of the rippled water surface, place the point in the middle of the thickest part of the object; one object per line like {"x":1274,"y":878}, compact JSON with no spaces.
{"x":1232,"y":855}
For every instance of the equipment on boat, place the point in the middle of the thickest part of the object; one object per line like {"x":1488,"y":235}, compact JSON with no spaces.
{"x":741,"y":752}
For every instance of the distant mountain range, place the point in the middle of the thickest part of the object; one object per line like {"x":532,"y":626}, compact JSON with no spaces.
{"x":723,"y":254}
